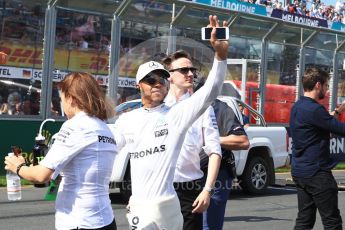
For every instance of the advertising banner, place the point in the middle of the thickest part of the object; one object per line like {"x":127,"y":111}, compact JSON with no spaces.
{"x":235,"y":6}
{"x":338,"y":26}
{"x":30,"y":56}
{"x":299,"y":19}
{"x":337,"y":148}
{"x":8,"y":72}
{"x":250,"y":8}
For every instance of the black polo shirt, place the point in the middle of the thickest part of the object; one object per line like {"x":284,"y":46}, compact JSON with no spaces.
{"x":311,"y":126}
{"x":228,"y":124}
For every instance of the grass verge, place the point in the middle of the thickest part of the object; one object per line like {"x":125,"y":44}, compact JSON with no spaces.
{"x":3,"y":181}
{"x":340,"y":166}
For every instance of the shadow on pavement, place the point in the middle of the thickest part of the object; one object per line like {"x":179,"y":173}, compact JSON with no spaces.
{"x":116,"y":198}
{"x":25,"y":200}
{"x":270,"y":191}
{"x":251,"y":218}
{"x":28,"y":215}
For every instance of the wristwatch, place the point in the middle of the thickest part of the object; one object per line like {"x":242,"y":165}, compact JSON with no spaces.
{"x":210,"y":190}
{"x":19,"y":167}
{"x":336,"y":112}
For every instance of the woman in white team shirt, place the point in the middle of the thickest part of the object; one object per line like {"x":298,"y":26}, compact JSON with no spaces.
{"x":83,"y":154}
{"x":154,"y":135}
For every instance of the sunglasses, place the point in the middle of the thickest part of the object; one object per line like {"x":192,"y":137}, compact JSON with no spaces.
{"x":153,"y":79}
{"x":184,"y":70}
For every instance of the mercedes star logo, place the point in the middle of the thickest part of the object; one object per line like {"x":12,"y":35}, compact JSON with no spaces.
{"x":153,"y":65}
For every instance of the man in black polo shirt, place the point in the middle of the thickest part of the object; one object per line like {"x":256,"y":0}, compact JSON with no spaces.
{"x":311,"y":126}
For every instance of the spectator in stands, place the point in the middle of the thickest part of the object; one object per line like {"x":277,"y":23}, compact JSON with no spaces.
{"x":277,"y":5}
{"x":26,"y":107}
{"x":297,"y":7}
{"x":305,"y":12}
{"x":337,"y":18}
{"x":19,"y":109}
{"x":280,"y":5}
{"x":105,"y":43}
{"x":339,"y":6}
{"x":316,"y":4}
{"x":4,"y":108}
{"x":291,"y":8}
{"x":83,"y":44}
{"x":13,"y":100}
{"x":264,"y":2}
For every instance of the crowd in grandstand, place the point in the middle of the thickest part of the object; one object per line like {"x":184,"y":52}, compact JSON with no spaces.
{"x":25,"y":22}
{"x":309,"y":8}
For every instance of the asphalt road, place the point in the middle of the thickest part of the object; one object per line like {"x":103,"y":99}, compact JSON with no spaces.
{"x":276,"y":209}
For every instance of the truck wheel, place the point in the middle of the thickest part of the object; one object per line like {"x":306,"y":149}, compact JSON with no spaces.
{"x":126,"y":186}
{"x":255,"y":179}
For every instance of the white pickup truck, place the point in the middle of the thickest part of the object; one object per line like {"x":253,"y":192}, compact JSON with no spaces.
{"x":254,"y":167}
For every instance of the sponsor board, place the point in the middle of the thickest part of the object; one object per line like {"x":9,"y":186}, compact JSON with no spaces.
{"x":8,"y":72}
{"x":337,"y":148}
{"x":299,"y":19}
{"x":338,"y":26}
{"x":235,"y":6}
{"x":90,"y":61}
{"x":245,"y":7}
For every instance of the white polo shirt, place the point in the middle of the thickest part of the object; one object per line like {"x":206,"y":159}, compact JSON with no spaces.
{"x":203,"y":134}
{"x":83,"y":154}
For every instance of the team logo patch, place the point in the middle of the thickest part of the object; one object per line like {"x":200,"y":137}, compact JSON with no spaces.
{"x":63,"y":135}
{"x":153,"y":65}
{"x":160,"y":133}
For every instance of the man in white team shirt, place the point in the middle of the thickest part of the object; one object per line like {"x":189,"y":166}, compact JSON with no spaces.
{"x":193,"y":196}
{"x":154,"y":136}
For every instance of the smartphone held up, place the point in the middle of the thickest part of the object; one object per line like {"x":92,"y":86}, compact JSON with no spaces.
{"x":222,"y":33}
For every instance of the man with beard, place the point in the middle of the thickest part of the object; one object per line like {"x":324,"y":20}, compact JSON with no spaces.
{"x":311,"y":127}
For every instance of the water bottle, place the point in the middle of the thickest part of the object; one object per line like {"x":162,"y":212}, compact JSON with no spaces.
{"x":14,"y":188}
{"x":39,"y":151}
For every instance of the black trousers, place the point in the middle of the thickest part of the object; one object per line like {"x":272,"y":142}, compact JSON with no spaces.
{"x":319,"y":192}
{"x":111,"y":226}
{"x":187,"y":192}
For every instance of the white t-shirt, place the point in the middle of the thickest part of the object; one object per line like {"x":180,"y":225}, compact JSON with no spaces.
{"x":83,"y":154}
{"x":203,"y":134}
{"x":154,"y":137}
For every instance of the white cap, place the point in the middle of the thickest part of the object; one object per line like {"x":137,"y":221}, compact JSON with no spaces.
{"x":149,"y":67}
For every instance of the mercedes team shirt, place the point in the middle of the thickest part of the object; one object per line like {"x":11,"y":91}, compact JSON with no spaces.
{"x":154,"y":137}
{"x":83,"y":154}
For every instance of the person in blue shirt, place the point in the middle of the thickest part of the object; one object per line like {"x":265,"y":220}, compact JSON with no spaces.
{"x":311,"y":126}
